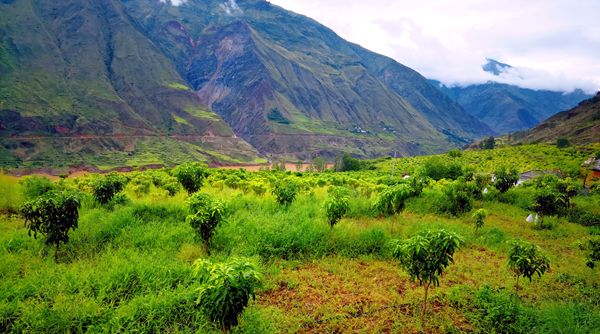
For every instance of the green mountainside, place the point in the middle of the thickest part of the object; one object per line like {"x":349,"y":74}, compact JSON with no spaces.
{"x":508,"y":108}
{"x":581,"y":125}
{"x":110,"y":82}
{"x":81,"y":84}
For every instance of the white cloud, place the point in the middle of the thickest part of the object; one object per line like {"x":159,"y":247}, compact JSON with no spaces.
{"x":174,"y":2}
{"x":231,"y":8}
{"x":554,"y":44}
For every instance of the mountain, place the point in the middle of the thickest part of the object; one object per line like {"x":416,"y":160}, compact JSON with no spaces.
{"x":581,"y":125}
{"x":135,"y":82}
{"x":80,"y":83}
{"x":508,"y":108}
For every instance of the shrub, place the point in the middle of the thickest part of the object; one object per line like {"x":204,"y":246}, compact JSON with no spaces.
{"x":506,"y":178}
{"x":226,"y":289}
{"x":105,"y":188}
{"x":479,"y":216}
{"x":457,"y":198}
{"x":426,"y":256}
{"x":191,"y":176}
{"x":171,"y":185}
{"x":336,"y":205}
{"x":285,"y":191}
{"x":548,"y":202}
{"x":208,"y":215}
{"x":258,"y":188}
{"x":35,"y":186}
{"x":526,"y":259}
{"x":393,"y":200}
{"x":53,"y":215}
{"x":593,"y":255}
{"x":141,"y":184}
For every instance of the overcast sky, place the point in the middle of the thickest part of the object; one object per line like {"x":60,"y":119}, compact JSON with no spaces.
{"x":555,"y":44}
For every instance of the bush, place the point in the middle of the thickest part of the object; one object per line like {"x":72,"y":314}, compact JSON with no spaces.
{"x":191,"y":176}
{"x":506,"y":178}
{"x":105,"y":188}
{"x":336,"y":205}
{"x":226,"y":289}
{"x":171,"y":185}
{"x":35,"y":186}
{"x":285,"y":191}
{"x":53,"y":215}
{"x":208,"y":215}
{"x":526,"y":259}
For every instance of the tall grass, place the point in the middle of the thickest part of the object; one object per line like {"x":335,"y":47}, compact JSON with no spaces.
{"x":11,"y":194}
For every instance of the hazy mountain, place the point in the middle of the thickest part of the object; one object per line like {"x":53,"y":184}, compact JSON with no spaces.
{"x":508,"y":108}
{"x":102,"y":81}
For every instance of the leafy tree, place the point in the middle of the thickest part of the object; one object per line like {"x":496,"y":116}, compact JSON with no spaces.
{"x":563,"y":142}
{"x":299,"y":165}
{"x":53,"y":215}
{"x":455,"y":170}
{"x":458,"y":197}
{"x":310,"y":168}
{"x":526,"y":259}
{"x":593,"y":255}
{"x":426,"y":256}
{"x":506,"y":178}
{"x":435,"y":168}
{"x":393,"y":199}
{"x":285,"y":191}
{"x":171,"y":185}
{"x":336,"y":205}
{"x":191,"y":176}
{"x":275,"y":166}
{"x":319,"y":164}
{"x":282,"y":167}
{"x":349,"y":164}
{"x":479,"y":216}
{"x":548,"y":202}
{"x":226,"y":289}
{"x":337,"y":163}
{"x":454,"y":154}
{"x":209,"y":213}
{"x":106,"y":188}
{"x":488,"y":144}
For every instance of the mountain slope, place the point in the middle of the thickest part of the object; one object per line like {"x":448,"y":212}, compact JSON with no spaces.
{"x":580,"y":124}
{"x":74,"y":69}
{"x":508,"y":108}
{"x":261,"y":57}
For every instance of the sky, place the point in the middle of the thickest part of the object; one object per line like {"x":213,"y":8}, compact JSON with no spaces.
{"x":553,"y":44}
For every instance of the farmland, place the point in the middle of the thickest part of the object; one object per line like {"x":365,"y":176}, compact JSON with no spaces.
{"x":131,"y":264}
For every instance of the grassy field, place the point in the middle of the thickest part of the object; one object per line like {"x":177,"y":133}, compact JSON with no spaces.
{"x":128,"y":268}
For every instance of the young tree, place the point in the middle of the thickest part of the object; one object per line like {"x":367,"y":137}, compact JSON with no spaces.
{"x":526,"y":259}
{"x":455,"y":154}
{"x":282,"y":167}
{"x":319,"y":164}
{"x":479,"y":216}
{"x":53,"y":215}
{"x":171,"y":185}
{"x":548,"y":202}
{"x":275,"y":166}
{"x":106,"y":188}
{"x":349,"y":164}
{"x":426,"y":256}
{"x":226,"y":289}
{"x":488,"y":144}
{"x":299,"y":165}
{"x":337,"y":163}
{"x":191,"y":176}
{"x":393,"y":199}
{"x":336,"y":205}
{"x":506,"y":178}
{"x":285,"y":191}
{"x":209,"y":213}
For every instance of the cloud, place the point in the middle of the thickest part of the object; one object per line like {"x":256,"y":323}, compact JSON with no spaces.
{"x":231,"y":8}
{"x":174,"y":2}
{"x":553,"y":44}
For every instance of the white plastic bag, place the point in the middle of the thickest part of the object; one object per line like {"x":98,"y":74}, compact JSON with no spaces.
{"x":536,"y":218}
{"x":485,"y":191}
{"x":529,"y":219}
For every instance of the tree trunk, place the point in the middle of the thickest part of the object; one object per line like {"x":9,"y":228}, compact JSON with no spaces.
{"x":206,"y":248}
{"x":425,"y":300}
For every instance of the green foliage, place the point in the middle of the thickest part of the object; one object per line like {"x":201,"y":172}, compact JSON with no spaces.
{"x":563,"y":142}
{"x":105,"y":188}
{"x":35,"y":186}
{"x":454,"y":154}
{"x":458,"y":198}
{"x":171,"y":185}
{"x":592,"y":258}
{"x":285,"y":191}
{"x":276,"y":116}
{"x":549,"y":202}
{"x":141,"y":184}
{"x":226,"y":289}
{"x":526,"y":259}
{"x":349,"y":164}
{"x":336,"y":205}
{"x":299,"y":165}
{"x":209,"y":214}
{"x":506,"y":178}
{"x":488,"y":144}
{"x":191,"y":176}
{"x":479,"y":216}
{"x":63,"y":176}
{"x":425,"y":256}
{"x":393,"y":199}
{"x":319,"y":164}
{"x":11,"y":197}
{"x":53,"y":215}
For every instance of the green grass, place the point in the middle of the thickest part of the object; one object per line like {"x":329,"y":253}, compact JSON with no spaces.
{"x":128,"y":268}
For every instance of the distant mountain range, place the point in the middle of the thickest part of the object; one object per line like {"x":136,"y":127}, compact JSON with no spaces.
{"x":508,"y":108}
{"x":136,"y":82}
